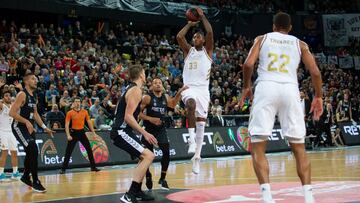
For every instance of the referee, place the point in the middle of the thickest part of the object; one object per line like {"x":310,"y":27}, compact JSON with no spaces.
{"x":77,"y":116}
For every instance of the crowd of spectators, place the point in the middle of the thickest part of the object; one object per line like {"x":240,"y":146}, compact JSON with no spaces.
{"x":92,"y":62}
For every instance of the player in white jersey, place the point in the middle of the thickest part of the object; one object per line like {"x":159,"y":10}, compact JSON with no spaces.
{"x":7,"y":139}
{"x":277,"y":93}
{"x":196,"y":75}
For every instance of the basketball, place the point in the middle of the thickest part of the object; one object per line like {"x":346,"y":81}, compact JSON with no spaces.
{"x":192,"y":15}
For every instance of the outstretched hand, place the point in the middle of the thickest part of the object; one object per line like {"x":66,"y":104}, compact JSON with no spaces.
{"x":317,"y":108}
{"x":246,"y":93}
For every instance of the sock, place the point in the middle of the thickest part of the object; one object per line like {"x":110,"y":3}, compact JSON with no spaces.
{"x":135,"y":187}
{"x":307,"y":189}
{"x":192,"y":134}
{"x":200,"y":130}
{"x":15,"y":169}
{"x":1,"y":170}
{"x":163,"y":175}
{"x":266,"y":191}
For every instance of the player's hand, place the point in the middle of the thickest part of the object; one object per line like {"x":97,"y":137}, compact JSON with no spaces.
{"x":69,"y":138}
{"x":18,"y":85}
{"x":155,"y":121}
{"x":316,"y":108}
{"x":246,"y":93}
{"x":50,"y":132}
{"x":200,"y":12}
{"x":150,"y":138}
{"x":2,"y":82}
{"x":30,"y":127}
{"x":183,"y":88}
{"x":192,"y":24}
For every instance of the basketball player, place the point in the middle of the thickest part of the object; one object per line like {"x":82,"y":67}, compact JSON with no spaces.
{"x":125,"y":129}
{"x":196,"y":76}
{"x":156,"y":104}
{"x":76,"y":133}
{"x":24,"y":113}
{"x":277,"y":93}
{"x":7,"y":139}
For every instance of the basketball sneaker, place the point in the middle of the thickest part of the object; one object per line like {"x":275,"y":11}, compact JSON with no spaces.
{"x":192,"y":146}
{"x":26,"y":180}
{"x":3,"y":177}
{"x":15,"y":176}
{"x":142,"y":196}
{"x":95,"y":169}
{"x":163,"y":184}
{"x":128,"y":198}
{"x":196,"y":165}
{"x":37,"y":187}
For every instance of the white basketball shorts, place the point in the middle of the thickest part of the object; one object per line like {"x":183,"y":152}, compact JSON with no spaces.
{"x":8,"y":141}
{"x":201,"y":96}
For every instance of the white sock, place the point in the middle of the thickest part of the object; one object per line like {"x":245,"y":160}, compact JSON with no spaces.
{"x":200,"y":130}
{"x":1,"y":170}
{"x":192,"y":134}
{"x":15,"y":169}
{"x":266,"y":191}
{"x":307,"y":189}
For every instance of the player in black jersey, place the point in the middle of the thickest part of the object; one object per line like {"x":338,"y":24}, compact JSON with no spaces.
{"x":25,"y":114}
{"x":125,"y":129}
{"x":155,"y":104}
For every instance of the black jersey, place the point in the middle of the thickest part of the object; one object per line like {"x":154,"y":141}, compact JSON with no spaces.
{"x":119,"y":122}
{"x":27,"y":110}
{"x":345,"y":108}
{"x":156,"y":108}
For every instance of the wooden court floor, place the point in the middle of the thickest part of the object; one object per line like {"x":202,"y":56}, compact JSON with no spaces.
{"x":330,"y":165}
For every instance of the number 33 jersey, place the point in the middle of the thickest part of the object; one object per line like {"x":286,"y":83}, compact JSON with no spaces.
{"x":279,"y":58}
{"x":197,"y":68}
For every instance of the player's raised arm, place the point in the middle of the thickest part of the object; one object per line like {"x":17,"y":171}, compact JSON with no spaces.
{"x":209,"y":37}
{"x":310,"y":64}
{"x":180,"y":37}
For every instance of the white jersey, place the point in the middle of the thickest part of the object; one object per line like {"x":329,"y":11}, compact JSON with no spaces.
{"x":279,"y":58}
{"x":197,"y":68}
{"x":5,"y":119}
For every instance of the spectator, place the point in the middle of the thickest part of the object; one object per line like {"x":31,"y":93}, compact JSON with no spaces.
{"x":54,"y":116}
{"x":65,"y":102}
{"x":217,"y":120}
{"x":94,"y":109}
{"x":100,"y":121}
{"x":51,"y":95}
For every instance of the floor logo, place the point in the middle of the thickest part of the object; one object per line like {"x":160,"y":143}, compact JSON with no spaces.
{"x":99,"y":148}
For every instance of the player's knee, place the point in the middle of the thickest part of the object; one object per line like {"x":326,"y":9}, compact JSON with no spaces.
{"x":190,"y":105}
{"x":148,"y":155}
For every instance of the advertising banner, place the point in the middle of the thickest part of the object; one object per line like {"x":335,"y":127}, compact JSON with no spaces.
{"x":218,"y":141}
{"x":350,"y":133}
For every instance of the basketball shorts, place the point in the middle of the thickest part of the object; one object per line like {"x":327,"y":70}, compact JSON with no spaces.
{"x":201,"y":96}
{"x":8,"y":141}
{"x":282,"y":99}
{"x":22,"y":134}
{"x":128,"y":141}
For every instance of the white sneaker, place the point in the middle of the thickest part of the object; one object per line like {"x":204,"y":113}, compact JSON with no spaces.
{"x":196,"y":165}
{"x":192,"y":147}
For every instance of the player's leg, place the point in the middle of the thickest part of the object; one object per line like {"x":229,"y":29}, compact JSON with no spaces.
{"x":85,"y":142}
{"x":3,"y":157}
{"x":148,"y":178}
{"x":261,"y":123}
{"x":69,"y":149}
{"x":131,"y":144}
{"x":190,"y":107}
{"x":292,"y":123}
{"x":14,"y":156}
{"x":165,"y":161}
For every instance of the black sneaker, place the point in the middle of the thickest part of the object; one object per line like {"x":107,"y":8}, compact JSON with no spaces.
{"x":37,"y":187}
{"x":62,"y":171}
{"x":95,"y":169}
{"x":163,"y":184}
{"x":26,"y":180}
{"x":142,"y":196}
{"x":149,"y":183}
{"x":128,"y":198}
